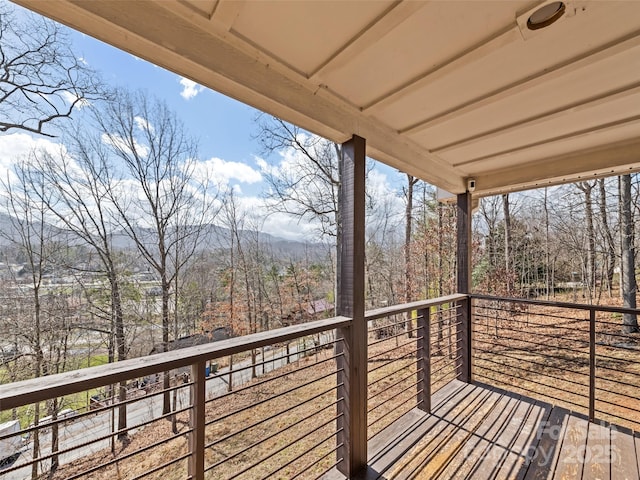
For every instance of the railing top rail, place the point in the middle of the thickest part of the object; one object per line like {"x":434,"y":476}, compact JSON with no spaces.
{"x":548,"y":303}
{"x":43,"y":388}
{"x":407,"y":307}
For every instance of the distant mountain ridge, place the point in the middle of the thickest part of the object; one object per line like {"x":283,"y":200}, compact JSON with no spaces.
{"x":212,"y":237}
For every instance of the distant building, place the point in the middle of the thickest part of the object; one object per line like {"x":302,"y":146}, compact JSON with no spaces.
{"x":220,"y":333}
{"x":320,"y":309}
{"x":314,"y":310}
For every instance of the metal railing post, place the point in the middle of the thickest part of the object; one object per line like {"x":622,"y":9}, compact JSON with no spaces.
{"x":424,"y":359}
{"x":463,"y":336}
{"x":197,"y":420}
{"x":592,"y":365}
{"x":468,"y":305}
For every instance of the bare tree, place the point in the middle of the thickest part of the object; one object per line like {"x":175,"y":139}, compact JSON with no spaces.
{"x":41,"y":78}
{"x":628,"y":283}
{"x":548,"y":278}
{"x":587,"y":188}
{"x":33,"y":236}
{"x":79,"y":183}
{"x":508,"y":242}
{"x":166,"y":202}
{"x":306,"y":187}
{"x":408,"y":228}
{"x":610,"y":257}
{"x":234,"y":218}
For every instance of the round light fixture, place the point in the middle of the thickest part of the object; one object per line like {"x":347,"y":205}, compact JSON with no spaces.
{"x":545,"y":15}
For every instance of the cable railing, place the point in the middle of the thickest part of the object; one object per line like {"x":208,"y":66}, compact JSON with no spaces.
{"x":277,"y":420}
{"x":414,"y":349}
{"x":274,"y":413}
{"x":575,"y":356}
{"x":275,"y":404}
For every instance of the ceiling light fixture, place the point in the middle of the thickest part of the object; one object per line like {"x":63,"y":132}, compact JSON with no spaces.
{"x":545,"y":15}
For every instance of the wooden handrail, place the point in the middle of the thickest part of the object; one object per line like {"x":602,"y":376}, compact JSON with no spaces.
{"x":549,"y":303}
{"x":25,"y":392}
{"x":408,"y":307}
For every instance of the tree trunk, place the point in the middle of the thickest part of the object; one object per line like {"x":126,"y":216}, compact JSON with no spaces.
{"x":590,"y":276}
{"x":408,"y":274}
{"x":611,"y":251}
{"x":176,"y":335}
{"x":507,"y":242}
{"x":55,"y":437}
{"x":547,"y":263}
{"x":122,"y":353}
{"x":628,"y":274}
{"x":166,"y":397}
{"x":38,"y":367}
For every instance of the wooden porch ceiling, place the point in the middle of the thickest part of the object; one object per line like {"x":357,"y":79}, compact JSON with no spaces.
{"x":444,"y":90}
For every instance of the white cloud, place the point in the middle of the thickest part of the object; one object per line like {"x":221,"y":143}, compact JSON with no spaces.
{"x":262,"y":164}
{"x":378,"y":185}
{"x":70,"y":98}
{"x":17,"y":146}
{"x":385,"y":217}
{"x":189,"y":88}
{"x":143,"y":124}
{"x":222,"y":172}
{"x":277,"y":224}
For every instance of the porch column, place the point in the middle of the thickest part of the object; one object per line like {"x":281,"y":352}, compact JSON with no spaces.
{"x":464,"y":212}
{"x":352,"y":341}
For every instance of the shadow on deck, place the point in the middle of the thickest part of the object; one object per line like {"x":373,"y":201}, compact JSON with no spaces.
{"x":477,"y":431}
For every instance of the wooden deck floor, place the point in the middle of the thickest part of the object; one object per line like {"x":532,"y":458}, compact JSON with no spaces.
{"x":479,"y":432}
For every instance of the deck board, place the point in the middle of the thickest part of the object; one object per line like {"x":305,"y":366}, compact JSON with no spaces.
{"x":475,"y":454}
{"x":479,"y":432}
{"x":597,"y":455}
{"x":458,"y":436}
{"x":409,"y":429}
{"x":623,"y":454}
{"x":524,"y":437}
{"x":499,"y":449}
{"x":439,"y":442}
{"x":575,"y":436}
{"x":543,"y":459}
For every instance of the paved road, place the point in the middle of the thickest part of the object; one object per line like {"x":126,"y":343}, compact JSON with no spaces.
{"x":87,"y":430}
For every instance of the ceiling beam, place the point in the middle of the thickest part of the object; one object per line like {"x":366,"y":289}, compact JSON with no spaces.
{"x":226,"y":12}
{"x":199,"y":7}
{"x":372,"y":33}
{"x":601,"y":52}
{"x":616,"y":159}
{"x":482,"y":49}
{"x":604,"y":127}
{"x":570,"y":109}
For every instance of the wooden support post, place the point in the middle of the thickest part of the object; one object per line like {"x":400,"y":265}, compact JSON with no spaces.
{"x":352,"y":341}
{"x":463,"y":330}
{"x":197,"y":420}
{"x":424,"y":359}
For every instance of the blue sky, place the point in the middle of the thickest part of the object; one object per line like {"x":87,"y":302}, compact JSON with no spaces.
{"x":224,"y":128}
